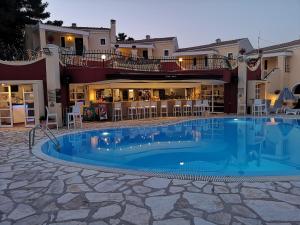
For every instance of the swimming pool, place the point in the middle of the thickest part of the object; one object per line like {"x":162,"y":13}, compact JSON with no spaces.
{"x":200,"y":147}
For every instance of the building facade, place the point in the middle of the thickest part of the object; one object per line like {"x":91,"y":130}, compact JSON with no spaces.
{"x":87,"y":65}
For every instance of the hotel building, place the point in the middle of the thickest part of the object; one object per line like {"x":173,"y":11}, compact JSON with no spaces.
{"x":89,"y":66}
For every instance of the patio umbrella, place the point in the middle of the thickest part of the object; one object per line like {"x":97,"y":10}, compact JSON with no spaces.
{"x":284,"y":95}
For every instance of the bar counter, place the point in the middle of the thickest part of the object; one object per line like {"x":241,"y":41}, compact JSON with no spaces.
{"x":125,"y":104}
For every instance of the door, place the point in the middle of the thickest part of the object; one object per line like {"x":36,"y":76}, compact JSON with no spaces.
{"x":6,"y":119}
{"x":29,"y":108}
{"x":79,"y":46}
{"x":145,"y":54}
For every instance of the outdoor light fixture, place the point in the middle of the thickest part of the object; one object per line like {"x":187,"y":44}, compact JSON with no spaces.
{"x":103,"y":57}
{"x":69,"y":38}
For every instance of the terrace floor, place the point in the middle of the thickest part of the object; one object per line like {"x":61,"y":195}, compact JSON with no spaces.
{"x":36,"y":192}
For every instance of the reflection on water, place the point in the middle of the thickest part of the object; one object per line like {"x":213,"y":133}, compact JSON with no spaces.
{"x":223,"y":146}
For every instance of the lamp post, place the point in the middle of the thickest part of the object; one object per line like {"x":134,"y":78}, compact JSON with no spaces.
{"x":103,"y":57}
{"x":180,"y":61}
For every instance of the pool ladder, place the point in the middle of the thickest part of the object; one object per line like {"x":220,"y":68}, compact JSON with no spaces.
{"x":47,"y":132}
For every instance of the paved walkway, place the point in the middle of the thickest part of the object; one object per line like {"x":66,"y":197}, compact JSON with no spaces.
{"x":35,"y":192}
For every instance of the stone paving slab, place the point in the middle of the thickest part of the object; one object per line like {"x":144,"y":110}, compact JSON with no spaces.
{"x":37,"y":192}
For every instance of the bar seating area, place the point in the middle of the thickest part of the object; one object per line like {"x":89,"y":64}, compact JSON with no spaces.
{"x":151,"y":109}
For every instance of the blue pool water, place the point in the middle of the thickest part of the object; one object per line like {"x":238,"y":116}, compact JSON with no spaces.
{"x":216,"y":146}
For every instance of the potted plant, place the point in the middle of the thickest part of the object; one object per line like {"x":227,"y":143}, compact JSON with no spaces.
{"x":277,"y":92}
{"x":42,"y":120}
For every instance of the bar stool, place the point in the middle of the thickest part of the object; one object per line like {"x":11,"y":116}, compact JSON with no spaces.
{"x":132,"y":110}
{"x":164,"y":110}
{"x":177,"y":108}
{"x":205,"y":107}
{"x":140,"y":110}
{"x":52,"y":117}
{"x":147,"y":109}
{"x":117,"y":111}
{"x":197,"y":108}
{"x":187,"y":108}
{"x":153,"y":109}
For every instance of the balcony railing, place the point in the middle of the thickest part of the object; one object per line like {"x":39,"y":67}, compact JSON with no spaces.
{"x":109,"y":59}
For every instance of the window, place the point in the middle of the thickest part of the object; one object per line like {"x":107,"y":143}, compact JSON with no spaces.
{"x":266,"y":65}
{"x":102,"y":41}
{"x":194,"y":61}
{"x":62,"y":42}
{"x":205,"y":61}
{"x":230,"y":56}
{"x":166,"y":52}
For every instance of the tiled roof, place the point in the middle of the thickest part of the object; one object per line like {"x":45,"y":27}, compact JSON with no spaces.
{"x":209,"y":47}
{"x":151,"y":40}
{"x":278,"y":47}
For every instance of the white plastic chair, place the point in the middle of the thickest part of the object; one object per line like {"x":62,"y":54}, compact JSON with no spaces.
{"x":257,"y":107}
{"x":164,"y":108}
{"x":117,"y":111}
{"x":52,"y":117}
{"x":187,"y":108}
{"x":74,"y":115}
{"x":177,"y":109}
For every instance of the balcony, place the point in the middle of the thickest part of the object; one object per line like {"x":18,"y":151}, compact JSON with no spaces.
{"x":114,"y":60}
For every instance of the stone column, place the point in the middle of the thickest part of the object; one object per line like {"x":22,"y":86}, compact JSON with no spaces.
{"x":150,"y":55}
{"x":53,"y":81}
{"x":42,"y":35}
{"x":281,"y":74}
{"x":242,"y":85}
{"x":134,"y":53}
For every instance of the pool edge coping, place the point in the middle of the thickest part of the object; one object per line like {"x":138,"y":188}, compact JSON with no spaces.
{"x":37,"y":151}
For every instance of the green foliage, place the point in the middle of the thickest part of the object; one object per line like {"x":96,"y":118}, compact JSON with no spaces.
{"x":14,"y":14}
{"x":58,"y":23}
{"x":123,"y":37}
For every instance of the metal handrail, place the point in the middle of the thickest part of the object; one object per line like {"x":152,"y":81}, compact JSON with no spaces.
{"x":46,"y":131}
{"x":272,"y":71}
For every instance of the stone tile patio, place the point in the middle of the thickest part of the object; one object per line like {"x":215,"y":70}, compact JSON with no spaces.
{"x":36,"y":192}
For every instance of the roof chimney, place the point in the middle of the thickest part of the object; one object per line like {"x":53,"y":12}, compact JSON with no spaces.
{"x":147,"y":36}
{"x":113,"y":31}
{"x":218,"y":40}
{"x":74,"y":25}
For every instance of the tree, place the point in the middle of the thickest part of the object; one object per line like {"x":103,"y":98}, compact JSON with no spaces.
{"x":58,"y":23}
{"x":14,"y":15}
{"x":123,"y":37}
